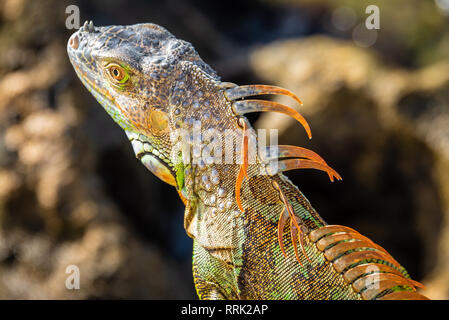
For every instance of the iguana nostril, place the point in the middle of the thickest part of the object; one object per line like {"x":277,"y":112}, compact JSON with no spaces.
{"x":74,"y":41}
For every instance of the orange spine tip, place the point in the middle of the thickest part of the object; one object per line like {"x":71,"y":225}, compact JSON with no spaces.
{"x":295,"y":230}
{"x":244,"y":166}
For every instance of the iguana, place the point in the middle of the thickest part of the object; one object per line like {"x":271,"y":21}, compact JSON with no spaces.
{"x":255,"y":235}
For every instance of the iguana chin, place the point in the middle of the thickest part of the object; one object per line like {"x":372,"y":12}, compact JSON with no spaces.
{"x":255,"y":234}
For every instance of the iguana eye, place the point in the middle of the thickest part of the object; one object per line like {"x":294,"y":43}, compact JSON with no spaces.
{"x":117,"y":73}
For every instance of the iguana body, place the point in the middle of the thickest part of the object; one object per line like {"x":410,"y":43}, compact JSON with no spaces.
{"x":255,"y":235}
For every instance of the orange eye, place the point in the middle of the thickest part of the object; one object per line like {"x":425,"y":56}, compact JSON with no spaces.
{"x":117,"y":72}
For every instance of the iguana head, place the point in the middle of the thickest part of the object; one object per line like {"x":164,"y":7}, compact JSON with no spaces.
{"x":138,"y":74}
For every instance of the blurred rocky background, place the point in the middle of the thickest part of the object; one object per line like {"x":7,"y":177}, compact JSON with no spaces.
{"x":72,"y":192}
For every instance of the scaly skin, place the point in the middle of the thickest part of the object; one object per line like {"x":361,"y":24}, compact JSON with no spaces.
{"x":255,"y":235}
